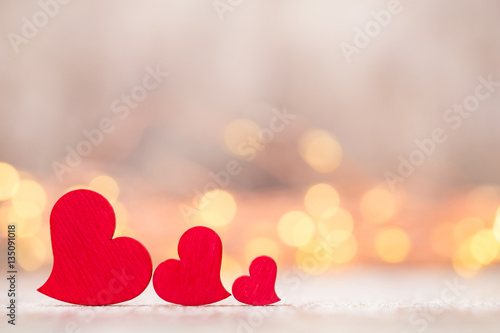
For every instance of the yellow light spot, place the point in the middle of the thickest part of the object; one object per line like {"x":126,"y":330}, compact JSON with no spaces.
{"x":9,"y":181}
{"x":30,"y":199}
{"x":25,"y":227}
{"x":123,"y":231}
{"x":230,"y":271}
{"x":338,"y":227}
{"x":237,"y":136}
{"x":484,"y":246}
{"x":217,"y":208}
{"x":106,"y":186}
{"x":295,"y":228}
{"x":378,"y":205}
{"x":464,"y":262}
{"x":496,"y":227}
{"x":319,"y":254}
{"x":442,"y":241}
{"x":31,"y":253}
{"x":75,"y":187}
{"x":261,"y":246}
{"x":321,"y":201}
{"x":392,"y":245}
{"x":320,"y":150}
{"x":120,"y":213}
{"x":467,"y":227}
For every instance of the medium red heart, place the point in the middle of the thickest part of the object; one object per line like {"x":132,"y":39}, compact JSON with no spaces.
{"x":195,"y":278}
{"x":90,"y":267}
{"x":258,"y":288}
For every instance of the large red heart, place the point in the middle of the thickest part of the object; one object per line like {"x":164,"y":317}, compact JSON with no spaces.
{"x":90,"y":267}
{"x":258,"y":288}
{"x":195,"y":278}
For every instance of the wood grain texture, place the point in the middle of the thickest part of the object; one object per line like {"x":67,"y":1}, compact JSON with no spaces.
{"x":90,"y":267}
{"x":258,"y":288}
{"x":195,"y":278}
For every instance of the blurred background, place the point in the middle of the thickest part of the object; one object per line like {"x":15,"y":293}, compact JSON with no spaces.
{"x":295,"y":129}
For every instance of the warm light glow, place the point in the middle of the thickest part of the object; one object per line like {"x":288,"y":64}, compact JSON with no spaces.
{"x":106,"y":186}
{"x":75,"y":187}
{"x":25,"y":227}
{"x":296,"y":228}
{"x":378,"y":205}
{"x":238,"y":134}
{"x":464,"y":262}
{"x":320,"y":150}
{"x":31,"y":253}
{"x":217,"y":208}
{"x":496,"y":226}
{"x":30,"y":199}
{"x":9,"y":181}
{"x":484,"y":246}
{"x":442,"y":241}
{"x":120,"y":213}
{"x":261,"y":247}
{"x":392,"y":245}
{"x":467,"y":227}
{"x":321,"y":201}
{"x":338,"y":227}
{"x":230,"y":271}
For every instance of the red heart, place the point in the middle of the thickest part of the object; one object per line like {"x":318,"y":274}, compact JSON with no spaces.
{"x":195,"y":278}
{"x":258,"y":288}
{"x":90,"y":267}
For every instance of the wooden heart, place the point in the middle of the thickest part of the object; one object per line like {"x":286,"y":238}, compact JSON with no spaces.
{"x":90,"y":267}
{"x":258,"y":288}
{"x":195,"y":278}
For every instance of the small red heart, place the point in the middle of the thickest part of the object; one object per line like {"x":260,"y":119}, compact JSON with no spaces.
{"x":258,"y":288}
{"x":90,"y":267}
{"x":195,"y":278}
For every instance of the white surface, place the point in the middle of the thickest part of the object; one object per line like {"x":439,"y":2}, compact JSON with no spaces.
{"x":358,"y":300}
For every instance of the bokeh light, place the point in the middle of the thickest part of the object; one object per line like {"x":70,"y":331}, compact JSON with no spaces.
{"x":320,"y":150}
{"x":378,"y":205}
{"x":217,"y":208}
{"x":106,"y":186}
{"x":338,"y":227}
{"x":392,"y":245}
{"x":30,"y":199}
{"x":262,"y":246}
{"x":31,"y":253}
{"x":9,"y":181}
{"x":296,"y":228}
{"x":238,"y":136}
{"x":321,"y":200}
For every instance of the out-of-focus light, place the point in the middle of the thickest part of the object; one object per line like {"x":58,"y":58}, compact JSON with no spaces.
{"x":321,"y":201}
{"x":262,"y":246}
{"x":392,"y":245}
{"x":496,"y":226}
{"x":442,"y":241}
{"x":75,"y":187}
{"x":106,"y":186}
{"x":482,"y":201}
{"x":30,"y":199}
{"x":230,"y":270}
{"x":296,"y":228}
{"x":484,"y":246}
{"x":312,"y":258}
{"x":467,"y":227}
{"x":378,"y":205}
{"x":217,"y":208}
{"x":9,"y":181}
{"x":319,"y":254}
{"x":25,"y":227}
{"x":123,"y":231}
{"x":31,"y":253}
{"x":320,"y":150}
{"x":238,"y":134}
{"x":464,"y":262}
{"x":338,"y":227}
{"x":120,"y":213}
